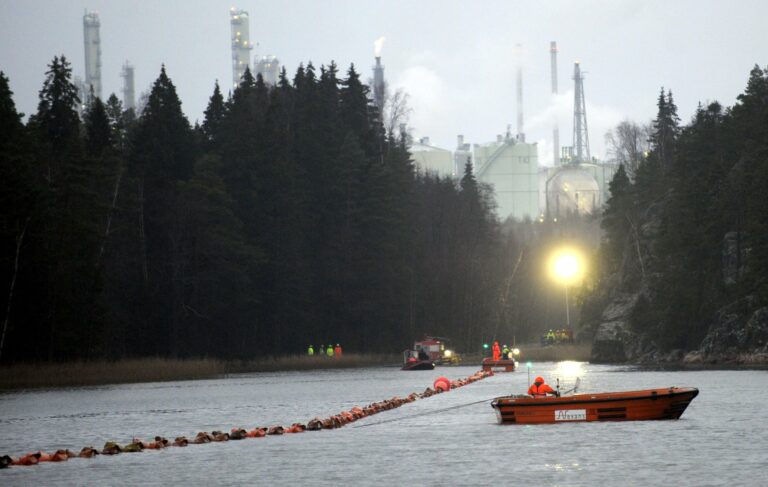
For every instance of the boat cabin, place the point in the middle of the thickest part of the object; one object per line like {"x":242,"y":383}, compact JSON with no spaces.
{"x":437,"y":350}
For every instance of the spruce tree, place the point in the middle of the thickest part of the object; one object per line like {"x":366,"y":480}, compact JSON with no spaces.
{"x":617,"y":219}
{"x":57,"y":110}
{"x":19,"y":199}
{"x":214,"y":112}
{"x":162,"y":155}
{"x":98,"y":132}
{"x":118,"y":122}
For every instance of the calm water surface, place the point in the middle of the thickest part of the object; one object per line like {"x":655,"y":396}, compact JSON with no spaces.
{"x":722,"y":438}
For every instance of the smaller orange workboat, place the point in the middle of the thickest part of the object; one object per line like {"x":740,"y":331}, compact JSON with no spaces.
{"x":665,"y":403}
{"x":505,"y":365}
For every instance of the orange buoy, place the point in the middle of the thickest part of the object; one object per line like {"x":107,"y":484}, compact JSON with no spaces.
{"x":256,"y":433}
{"x":28,"y":459}
{"x":181,"y":441}
{"x":442,"y":384}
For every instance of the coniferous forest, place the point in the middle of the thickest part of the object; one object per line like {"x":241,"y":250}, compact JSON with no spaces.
{"x":290,"y":216}
{"x":686,"y":236}
{"x":287,"y":217}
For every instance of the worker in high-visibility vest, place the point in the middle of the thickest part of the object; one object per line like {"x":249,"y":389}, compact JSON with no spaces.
{"x":496,"y":351}
{"x":329,"y":352}
{"x":310,"y":351}
{"x":540,"y":389}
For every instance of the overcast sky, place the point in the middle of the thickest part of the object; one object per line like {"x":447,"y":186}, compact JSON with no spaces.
{"x":456,"y":59}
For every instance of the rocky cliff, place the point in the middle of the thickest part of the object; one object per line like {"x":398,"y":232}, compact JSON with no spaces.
{"x":737,"y":333}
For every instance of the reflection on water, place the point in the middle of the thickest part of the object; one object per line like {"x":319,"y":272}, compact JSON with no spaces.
{"x":568,"y":370}
{"x":424,"y":445}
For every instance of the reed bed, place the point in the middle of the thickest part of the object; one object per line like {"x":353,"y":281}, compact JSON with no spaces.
{"x":72,"y":374}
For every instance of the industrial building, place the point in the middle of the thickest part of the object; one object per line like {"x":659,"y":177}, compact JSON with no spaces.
{"x":241,"y":44}
{"x":269,"y":69}
{"x":511,"y":166}
{"x":430,"y":159}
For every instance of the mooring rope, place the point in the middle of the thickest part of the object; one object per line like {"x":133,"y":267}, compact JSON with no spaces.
{"x":426,"y":413}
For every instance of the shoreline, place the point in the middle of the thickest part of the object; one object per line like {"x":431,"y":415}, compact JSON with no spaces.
{"x":141,"y":370}
{"x":129,"y":371}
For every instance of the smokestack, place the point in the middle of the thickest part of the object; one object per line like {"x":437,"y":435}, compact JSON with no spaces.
{"x":129,"y":97}
{"x":378,"y":85}
{"x":520,"y":129}
{"x":555,"y":129}
{"x":460,"y":140}
{"x":378,"y":76}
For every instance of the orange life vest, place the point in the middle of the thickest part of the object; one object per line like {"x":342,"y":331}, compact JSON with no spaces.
{"x":540,"y":390}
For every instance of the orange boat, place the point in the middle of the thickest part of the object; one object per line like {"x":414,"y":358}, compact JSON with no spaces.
{"x":507,"y":365}
{"x":665,"y":403}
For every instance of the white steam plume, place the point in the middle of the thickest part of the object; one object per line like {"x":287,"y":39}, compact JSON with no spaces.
{"x":378,"y":44}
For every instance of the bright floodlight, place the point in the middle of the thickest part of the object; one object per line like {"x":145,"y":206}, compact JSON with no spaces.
{"x":566,"y":266}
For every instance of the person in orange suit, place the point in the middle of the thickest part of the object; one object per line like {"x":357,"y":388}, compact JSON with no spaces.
{"x":540,"y":389}
{"x":496,"y":351}
{"x":337,"y":351}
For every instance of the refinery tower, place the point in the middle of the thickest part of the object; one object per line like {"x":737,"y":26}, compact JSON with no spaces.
{"x":92,"y":43}
{"x":241,"y":44}
{"x":269,"y":69}
{"x":129,"y":90}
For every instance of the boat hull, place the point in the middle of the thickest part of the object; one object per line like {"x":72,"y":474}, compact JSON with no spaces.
{"x":419,"y":365}
{"x":648,"y":404}
{"x":498,"y":365}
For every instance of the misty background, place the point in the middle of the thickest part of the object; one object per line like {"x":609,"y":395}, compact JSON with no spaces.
{"x":455,"y":59}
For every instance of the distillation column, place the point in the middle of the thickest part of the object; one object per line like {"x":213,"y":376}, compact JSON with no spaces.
{"x":92,"y":44}
{"x":241,"y":44}
{"x":129,"y":93}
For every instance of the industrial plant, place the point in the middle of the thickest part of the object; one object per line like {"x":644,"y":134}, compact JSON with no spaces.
{"x":575,"y":183}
